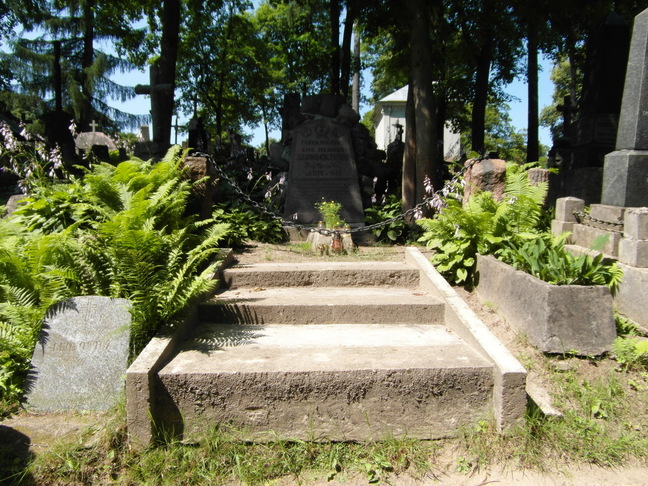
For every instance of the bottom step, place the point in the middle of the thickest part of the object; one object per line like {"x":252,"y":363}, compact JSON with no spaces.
{"x":335,"y":381}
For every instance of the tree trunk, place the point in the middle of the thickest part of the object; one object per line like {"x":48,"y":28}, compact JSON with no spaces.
{"x":478,"y":122}
{"x":85,"y":114}
{"x":355,"y":93}
{"x":427,"y":165}
{"x":409,"y":154}
{"x":533,"y":142}
{"x":167,"y":70}
{"x":58,"y":85}
{"x":345,"y":57}
{"x":335,"y":46}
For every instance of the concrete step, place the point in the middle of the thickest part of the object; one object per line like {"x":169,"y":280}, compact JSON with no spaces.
{"x":333,"y":381}
{"x":335,"y":350}
{"x":323,"y":305}
{"x":323,"y":274}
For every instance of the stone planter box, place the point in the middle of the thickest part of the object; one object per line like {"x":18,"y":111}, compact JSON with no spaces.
{"x":555,"y":318}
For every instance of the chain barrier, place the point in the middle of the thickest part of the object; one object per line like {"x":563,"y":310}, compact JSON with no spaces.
{"x":584,"y":218}
{"x":324,"y":231}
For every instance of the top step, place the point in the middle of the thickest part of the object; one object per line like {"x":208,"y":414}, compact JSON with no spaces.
{"x":323,"y":274}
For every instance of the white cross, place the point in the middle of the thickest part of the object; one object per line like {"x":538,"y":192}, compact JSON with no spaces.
{"x":94,"y":126}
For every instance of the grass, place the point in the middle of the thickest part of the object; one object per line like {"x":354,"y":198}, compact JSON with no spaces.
{"x":605,"y":419}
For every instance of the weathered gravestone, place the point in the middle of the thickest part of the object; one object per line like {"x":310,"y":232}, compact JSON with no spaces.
{"x":322,"y":166}
{"x":81,"y":357}
{"x":595,"y":128}
{"x":625,"y":176}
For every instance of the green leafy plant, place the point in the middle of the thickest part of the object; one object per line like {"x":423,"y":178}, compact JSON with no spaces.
{"x":330,"y":211}
{"x":396,"y":232}
{"x":460,"y":231}
{"x":246,"y":224}
{"x":125,"y":234}
{"x":545,"y":257}
{"x":631,"y":352}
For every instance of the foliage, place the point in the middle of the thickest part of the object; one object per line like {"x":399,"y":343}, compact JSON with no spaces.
{"x":122,"y":232}
{"x":458,"y":233}
{"x":29,"y":159}
{"x":631,"y":352}
{"x":246,"y":224}
{"x":396,"y":232}
{"x":330,"y":211}
{"x":547,"y":259}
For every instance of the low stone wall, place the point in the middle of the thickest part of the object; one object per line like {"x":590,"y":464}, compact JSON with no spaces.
{"x":556,"y":319}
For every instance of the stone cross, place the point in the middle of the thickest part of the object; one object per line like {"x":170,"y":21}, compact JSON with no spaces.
{"x":625,"y":176}
{"x":94,"y":126}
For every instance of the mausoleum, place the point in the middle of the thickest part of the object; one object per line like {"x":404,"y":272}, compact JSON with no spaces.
{"x":390,"y":112}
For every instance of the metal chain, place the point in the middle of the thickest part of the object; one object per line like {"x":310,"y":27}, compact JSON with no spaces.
{"x":326,"y":232}
{"x":582,"y":218}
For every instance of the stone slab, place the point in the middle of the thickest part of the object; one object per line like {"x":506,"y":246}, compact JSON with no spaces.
{"x":625,"y":178}
{"x":586,"y":236}
{"x":630,"y":299}
{"x":324,"y":274}
{"x":555,"y":319}
{"x":323,"y":305}
{"x":610,"y":214}
{"x":81,"y":357}
{"x":336,"y":382}
{"x":322,"y":167}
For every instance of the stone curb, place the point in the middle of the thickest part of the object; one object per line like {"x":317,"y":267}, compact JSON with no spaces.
{"x":509,"y":396}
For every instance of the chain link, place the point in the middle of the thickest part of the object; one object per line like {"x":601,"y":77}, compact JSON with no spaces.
{"x":584,"y":218}
{"x":324,"y":231}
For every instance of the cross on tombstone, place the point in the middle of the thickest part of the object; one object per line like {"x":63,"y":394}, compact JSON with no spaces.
{"x":176,"y":127}
{"x":94,"y":126}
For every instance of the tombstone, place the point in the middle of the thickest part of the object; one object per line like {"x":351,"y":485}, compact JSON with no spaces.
{"x":97,"y":143}
{"x":625,"y":177}
{"x":593,"y":133}
{"x":198,"y":138}
{"x":57,"y":132}
{"x":322,"y":166}
{"x":485,"y":175}
{"x":81,"y":357}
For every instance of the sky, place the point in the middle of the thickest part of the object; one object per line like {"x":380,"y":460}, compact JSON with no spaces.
{"x":140,"y":105}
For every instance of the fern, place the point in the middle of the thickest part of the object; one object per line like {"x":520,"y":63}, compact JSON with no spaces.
{"x":121,"y":233}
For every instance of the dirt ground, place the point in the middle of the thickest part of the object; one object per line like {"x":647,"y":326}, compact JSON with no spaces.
{"x":33,"y":433}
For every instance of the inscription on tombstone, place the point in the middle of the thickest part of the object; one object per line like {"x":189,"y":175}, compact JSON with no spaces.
{"x":81,"y":357}
{"x":322,"y":166}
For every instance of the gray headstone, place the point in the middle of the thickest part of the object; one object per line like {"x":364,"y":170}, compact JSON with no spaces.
{"x":322,"y":166}
{"x":81,"y":357}
{"x":633,"y":125}
{"x":625,"y":176}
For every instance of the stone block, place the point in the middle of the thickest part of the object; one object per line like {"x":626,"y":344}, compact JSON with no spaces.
{"x":624,"y":178}
{"x":559,"y":227}
{"x":565,"y":207}
{"x":633,"y":252}
{"x":610,"y":214}
{"x":586,"y":236}
{"x":630,"y":299}
{"x":636,"y":223}
{"x":82,"y":355}
{"x":485,"y":175}
{"x":555,"y":318}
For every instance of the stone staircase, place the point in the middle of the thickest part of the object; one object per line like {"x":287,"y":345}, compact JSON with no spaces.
{"x":327,"y":351}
